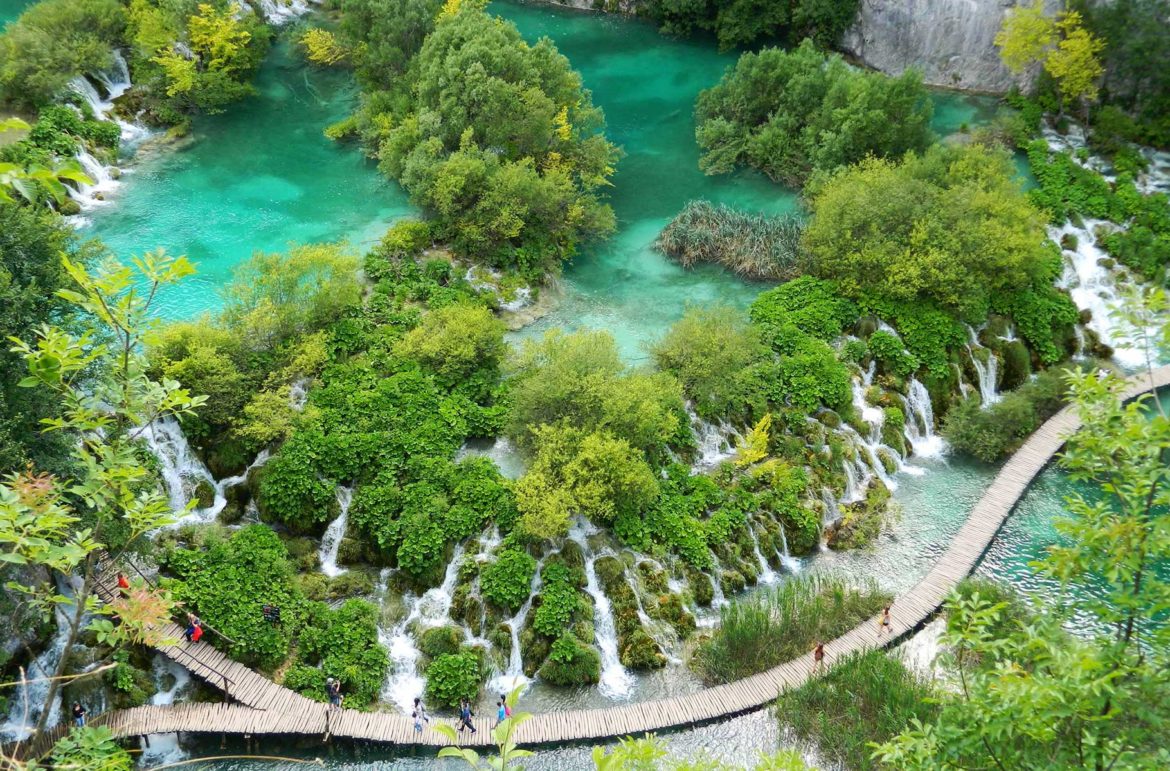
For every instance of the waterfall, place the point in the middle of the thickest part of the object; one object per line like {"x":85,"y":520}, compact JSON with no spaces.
{"x":965,"y":388}
{"x":790,"y":563}
{"x":514,"y":676}
{"x":500,"y":451}
{"x":715,"y":442}
{"x":767,"y":575}
{"x":160,"y":749}
{"x":298,"y":393}
{"x":831,"y":515}
{"x":31,"y":696}
{"x":919,"y":428}
{"x":616,"y":681}
{"x":857,"y":478}
{"x":1079,"y":331}
{"x":404,"y":684}
{"x":331,"y":540}
{"x":988,"y":372}
{"x":281,"y":12}
{"x":1094,"y":287}
{"x":182,"y":470}
{"x":1010,"y":337}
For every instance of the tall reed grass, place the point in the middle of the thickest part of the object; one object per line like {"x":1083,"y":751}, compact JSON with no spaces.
{"x":777,"y":625}
{"x":753,"y":245}
{"x":867,"y":698}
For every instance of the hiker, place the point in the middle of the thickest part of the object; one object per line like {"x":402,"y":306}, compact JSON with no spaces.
{"x":819,"y":658}
{"x":507,"y":706}
{"x":501,"y":713}
{"x":194,"y":628}
{"x":465,"y":715}
{"x":421,"y":709}
{"x":79,"y":714}
{"x":884,"y":621}
{"x":333,"y":690}
{"x":417,"y":722}
{"x":123,"y":584}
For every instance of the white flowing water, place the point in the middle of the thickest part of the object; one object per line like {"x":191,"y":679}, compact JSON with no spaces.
{"x":404,"y":684}
{"x":500,"y":451}
{"x":513,"y":676}
{"x":988,"y":371}
{"x":767,"y":574}
{"x":1094,"y":287}
{"x":159,"y":749}
{"x":26,"y":704}
{"x":790,"y":563}
{"x":716,"y":442}
{"x":616,"y":681}
{"x":920,"y":653}
{"x":331,"y":540}
{"x":281,"y":12}
{"x":298,"y":393}
{"x":919,"y":428}
{"x":182,"y":471}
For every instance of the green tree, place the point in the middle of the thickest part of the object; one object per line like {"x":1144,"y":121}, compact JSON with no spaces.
{"x":1034,"y":696}
{"x":1026,"y":36}
{"x":60,"y":527}
{"x":384,"y":35}
{"x":55,"y":41}
{"x":789,"y":113}
{"x":738,"y":23}
{"x":456,"y":341}
{"x":1075,"y":63}
{"x":950,"y":226}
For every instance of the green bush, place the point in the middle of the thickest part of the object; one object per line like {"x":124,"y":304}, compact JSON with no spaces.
{"x":771,"y":627}
{"x":507,"y":580}
{"x":292,"y":491}
{"x":456,"y":341}
{"x":812,"y":305}
{"x":889,"y":351}
{"x":995,"y":431}
{"x":440,"y":641}
{"x":571,"y":662}
{"x":452,"y":677}
{"x":789,"y":113}
{"x":343,"y":642}
{"x":866,"y":698}
{"x":559,"y":602}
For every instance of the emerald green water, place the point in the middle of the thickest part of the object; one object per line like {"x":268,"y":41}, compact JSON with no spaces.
{"x":10,"y":9}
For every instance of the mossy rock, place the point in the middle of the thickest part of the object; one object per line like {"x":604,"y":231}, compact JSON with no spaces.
{"x":701,"y":588}
{"x":1017,"y":365}
{"x":501,"y":639}
{"x":653,"y":577}
{"x":68,"y":208}
{"x":227,"y":458}
{"x":352,"y":583}
{"x":230,"y":514}
{"x":583,"y":630}
{"x":865,"y":326}
{"x":887,"y":459}
{"x":440,"y":641}
{"x":303,"y":553}
{"x":733,"y":581}
{"x":829,"y":418}
{"x":350,"y":551}
{"x":534,"y":648}
{"x":670,"y":608}
{"x":572,"y":556}
{"x":639,"y":651}
{"x":892,"y":436}
{"x":315,"y":586}
{"x":204,"y":494}
{"x":609,"y":571}
{"x":573,"y":664}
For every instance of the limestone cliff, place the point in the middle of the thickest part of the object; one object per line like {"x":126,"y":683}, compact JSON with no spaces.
{"x":952,"y":42}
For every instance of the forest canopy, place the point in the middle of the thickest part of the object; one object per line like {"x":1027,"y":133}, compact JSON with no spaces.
{"x":789,"y":113}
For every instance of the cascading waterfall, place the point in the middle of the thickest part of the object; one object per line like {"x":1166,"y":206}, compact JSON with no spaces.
{"x":500,"y":451}
{"x":767,"y":574}
{"x":182,"y":471}
{"x":790,"y":563}
{"x":31,"y":696}
{"x":832,"y":514}
{"x":331,"y":540}
{"x":298,"y":393}
{"x":280,"y":12}
{"x":919,"y":428}
{"x":965,"y":388}
{"x":988,"y":371}
{"x":404,"y":683}
{"x":1094,"y":287}
{"x":513,"y":676}
{"x":716,"y":442}
{"x":616,"y":681}
{"x":160,"y":749}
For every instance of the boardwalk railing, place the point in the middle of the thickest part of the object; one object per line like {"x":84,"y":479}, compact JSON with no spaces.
{"x":267,"y":708}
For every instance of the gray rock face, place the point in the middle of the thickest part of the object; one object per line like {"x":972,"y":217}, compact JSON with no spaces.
{"x":952,"y":42}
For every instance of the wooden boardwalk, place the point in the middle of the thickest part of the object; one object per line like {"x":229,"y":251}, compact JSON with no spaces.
{"x":267,"y":708}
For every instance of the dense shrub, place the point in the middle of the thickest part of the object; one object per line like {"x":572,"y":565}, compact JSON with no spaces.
{"x":991,"y":432}
{"x":769,"y":628}
{"x":559,"y":602}
{"x":950,"y":227}
{"x":343,"y":642}
{"x":453,"y":677}
{"x":571,"y":662}
{"x":720,"y":361}
{"x":866,"y":698}
{"x":456,"y":341}
{"x":789,"y":113}
{"x":812,"y":305}
{"x":507,"y":580}
{"x":291,"y":489}
{"x":758,"y":246}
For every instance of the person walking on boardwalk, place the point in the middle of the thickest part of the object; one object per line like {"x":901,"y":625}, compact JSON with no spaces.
{"x":884,"y":621}
{"x":501,"y":712}
{"x":818,"y":658}
{"x":465,"y":715}
{"x":421,"y":709}
{"x":333,"y":691}
{"x":123,"y":584}
{"x":79,"y":714}
{"x":194,"y":631}
{"x":417,"y":722}
{"x":507,"y":706}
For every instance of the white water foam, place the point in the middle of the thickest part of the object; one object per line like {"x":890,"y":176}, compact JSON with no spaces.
{"x":919,"y":428}
{"x":987,"y":371}
{"x":159,"y":749}
{"x":331,"y":540}
{"x":616,"y":681}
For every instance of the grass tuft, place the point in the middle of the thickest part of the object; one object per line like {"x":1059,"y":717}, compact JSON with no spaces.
{"x":753,"y":245}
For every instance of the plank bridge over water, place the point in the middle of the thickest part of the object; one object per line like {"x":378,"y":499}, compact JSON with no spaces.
{"x":263,"y":707}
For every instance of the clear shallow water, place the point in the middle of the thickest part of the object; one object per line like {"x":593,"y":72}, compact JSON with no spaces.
{"x":10,"y":9}
{"x":259,"y":177}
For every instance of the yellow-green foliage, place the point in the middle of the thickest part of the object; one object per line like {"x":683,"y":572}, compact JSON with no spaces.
{"x":322,"y":46}
{"x":754,"y":446}
{"x":456,"y":340}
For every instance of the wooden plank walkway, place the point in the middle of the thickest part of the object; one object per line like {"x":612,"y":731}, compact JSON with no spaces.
{"x":266,"y":708}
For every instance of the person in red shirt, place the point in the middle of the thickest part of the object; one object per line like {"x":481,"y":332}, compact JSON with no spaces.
{"x":123,"y":584}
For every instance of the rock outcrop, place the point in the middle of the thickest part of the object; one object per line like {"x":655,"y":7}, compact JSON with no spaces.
{"x":952,"y":42}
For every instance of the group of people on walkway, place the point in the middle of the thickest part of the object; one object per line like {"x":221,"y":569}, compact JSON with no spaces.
{"x":818,"y":652}
{"x":194,"y":631}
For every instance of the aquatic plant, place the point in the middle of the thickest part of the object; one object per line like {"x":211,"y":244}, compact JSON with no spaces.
{"x":758,"y":245}
{"x":776,"y":625}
